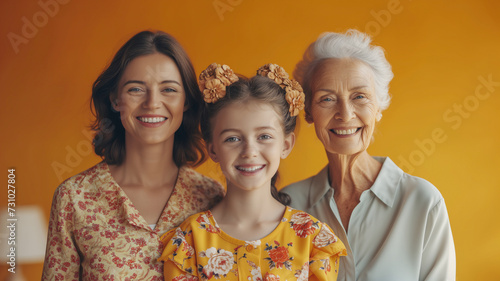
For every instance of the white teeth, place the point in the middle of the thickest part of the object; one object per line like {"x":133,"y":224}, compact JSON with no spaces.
{"x":250,"y":169}
{"x":152,"y":119}
{"x":345,"y":132}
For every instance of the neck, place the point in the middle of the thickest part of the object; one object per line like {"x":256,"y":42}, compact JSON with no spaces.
{"x":146,"y":165}
{"x":248,"y":206}
{"x":350,"y":175}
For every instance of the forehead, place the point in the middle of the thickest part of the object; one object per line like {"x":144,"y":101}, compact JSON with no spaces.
{"x":249,"y":114}
{"x":344,"y":72}
{"x":153,"y":66}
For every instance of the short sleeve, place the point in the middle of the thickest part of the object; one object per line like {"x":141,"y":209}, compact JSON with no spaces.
{"x":324,"y":260}
{"x":179,"y":256}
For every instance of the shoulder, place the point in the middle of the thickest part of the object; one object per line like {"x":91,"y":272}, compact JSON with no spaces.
{"x":321,"y":235}
{"x":302,"y":187}
{"x":193,"y":224}
{"x":302,"y":222}
{"x":84,"y":180}
{"x":201,"y":184}
{"x":299,"y":187}
{"x":411,"y":188}
{"x":421,"y":189}
{"x":307,"y":192}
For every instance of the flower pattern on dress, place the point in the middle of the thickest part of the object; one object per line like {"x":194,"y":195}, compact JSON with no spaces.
{"x":255,"y":271}
{"x":271,"y":277}
{"x":303,"y":225}
{"x":185,"y":277}
{"x":278,"y":256}
{"x":284,"y":254}
{"x":324,"y":238}
{"x":303,"y":274}
{"x":220,"y":262}
{"x":204,"y":222}
{"x":96,"y":233}
{"x":255,"y":243}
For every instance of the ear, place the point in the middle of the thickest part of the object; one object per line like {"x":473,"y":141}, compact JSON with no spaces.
{"x":308,"y":117}
{"x":114,"y":101}
{"x":211,"y":152}
{"x":288,"y":145}
{"x":186,"y":106}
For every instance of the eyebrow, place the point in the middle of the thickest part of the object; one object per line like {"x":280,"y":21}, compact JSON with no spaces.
{"x":237,"y":130}
{"x":144,"y":83}
{"x":350,"y":90}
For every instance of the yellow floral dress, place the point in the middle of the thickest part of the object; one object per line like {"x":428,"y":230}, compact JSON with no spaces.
{"x":300,"y":248}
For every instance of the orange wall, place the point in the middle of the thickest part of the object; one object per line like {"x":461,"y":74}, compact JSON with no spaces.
{"x":441,"y":53}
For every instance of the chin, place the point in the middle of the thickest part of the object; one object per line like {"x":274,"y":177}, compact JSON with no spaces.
{"x":344,"y":151}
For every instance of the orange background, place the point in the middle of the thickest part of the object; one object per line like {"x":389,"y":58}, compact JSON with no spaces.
{"x":439,"y":50}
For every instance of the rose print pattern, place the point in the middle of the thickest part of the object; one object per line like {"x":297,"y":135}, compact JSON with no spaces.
{"x":303,"y":225}
{"x":324,"y":238}
{"x":303,"y":274}
{"x":220,"y":262}
{"x":278,"y":256}
{"x":271,"y":277}
{"x":311,"y":249}
{"x":96,"y":233}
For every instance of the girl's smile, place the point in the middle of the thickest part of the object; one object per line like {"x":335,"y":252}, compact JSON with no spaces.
{"x":248,"y":143}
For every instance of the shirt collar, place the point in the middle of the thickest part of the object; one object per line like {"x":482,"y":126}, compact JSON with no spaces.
{"x":118,"y":199}
{"x":387,"y":182}
{"x":319,"y":186}
{"x":384,"y":187}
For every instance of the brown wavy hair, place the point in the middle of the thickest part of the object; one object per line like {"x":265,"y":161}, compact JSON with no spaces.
{"x":109,"y":139}
{"x":260,"y":89}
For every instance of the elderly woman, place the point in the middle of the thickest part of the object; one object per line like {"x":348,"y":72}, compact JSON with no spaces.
{"x":395,"y":226}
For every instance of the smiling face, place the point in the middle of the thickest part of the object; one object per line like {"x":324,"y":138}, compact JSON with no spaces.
{"x":150,"y":99}
{"x":248,"y":142}
{"x":344,"y":106}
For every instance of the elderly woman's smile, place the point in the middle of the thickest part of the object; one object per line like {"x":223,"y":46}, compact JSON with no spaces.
{"x":344,"y":106}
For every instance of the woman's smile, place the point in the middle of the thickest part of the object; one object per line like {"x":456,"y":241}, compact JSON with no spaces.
{"x":151,"y":121}
{"x":342,"y":132}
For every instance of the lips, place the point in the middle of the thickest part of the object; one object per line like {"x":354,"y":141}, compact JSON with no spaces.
{"x":250,"y":168}
{"x":345,"y":132}
{"x":151,"y":120}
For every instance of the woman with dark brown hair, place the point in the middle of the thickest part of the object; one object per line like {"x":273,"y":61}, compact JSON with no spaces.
{"x":106,"y":222}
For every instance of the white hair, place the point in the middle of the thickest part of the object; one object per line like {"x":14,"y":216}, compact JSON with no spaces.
{"x":352,"y":44}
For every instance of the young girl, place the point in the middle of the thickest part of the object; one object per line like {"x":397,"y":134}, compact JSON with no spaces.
{"x":251,"y":235}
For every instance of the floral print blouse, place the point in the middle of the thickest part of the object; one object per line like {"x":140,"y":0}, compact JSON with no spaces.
{"x":96,"y":233}
{"x":300,"y":248}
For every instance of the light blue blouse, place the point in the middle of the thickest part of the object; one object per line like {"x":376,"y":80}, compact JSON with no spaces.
{"x":399,"y":231}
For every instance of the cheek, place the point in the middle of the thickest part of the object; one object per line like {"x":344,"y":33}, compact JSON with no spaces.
{"x":368,"y":113}
{"x":321,"y":116}
{"x":177,"y":105}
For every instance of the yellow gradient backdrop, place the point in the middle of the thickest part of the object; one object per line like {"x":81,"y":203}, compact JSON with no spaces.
{"x":442,"y":125}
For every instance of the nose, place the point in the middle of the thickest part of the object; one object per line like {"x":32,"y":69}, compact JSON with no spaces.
{"x":249,"y":150}
{"x":153,"y":99}
{"x":345,"y":111}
